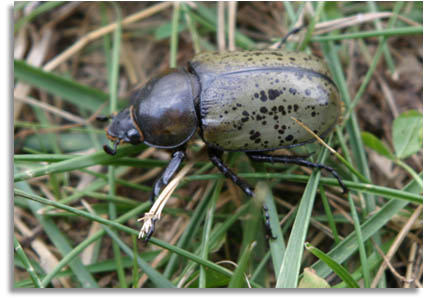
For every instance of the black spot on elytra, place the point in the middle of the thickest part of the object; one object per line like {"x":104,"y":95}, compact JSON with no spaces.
{"x":273,"y":93}
{"x":289,"y":138}
{"x":296,"y":107}
{"x":263,"y":110}
{"x":293,"y":91}
{"x":254,"y":136}
{"x":245,"y":113}
{"x":282,"y":110}
{"x":263,"y":96}
{"x":313,"y":114}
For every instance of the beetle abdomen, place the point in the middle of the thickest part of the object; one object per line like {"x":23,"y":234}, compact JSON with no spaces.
{"x":249,"y":108}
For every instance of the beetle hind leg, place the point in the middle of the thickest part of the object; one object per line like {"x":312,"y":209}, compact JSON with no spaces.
{"x":299,"y":161}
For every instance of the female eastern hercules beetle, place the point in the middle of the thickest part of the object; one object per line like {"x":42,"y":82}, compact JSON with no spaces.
{"x":240,"y":101}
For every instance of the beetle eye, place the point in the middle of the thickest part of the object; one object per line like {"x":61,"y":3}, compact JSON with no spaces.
{"x":133,"y":136}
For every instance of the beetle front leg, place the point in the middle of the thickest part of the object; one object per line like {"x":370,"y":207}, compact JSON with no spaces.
{"x":173,"y":166}
{"x":299,"y":161}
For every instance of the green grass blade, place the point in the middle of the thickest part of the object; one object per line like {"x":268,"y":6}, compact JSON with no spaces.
{"x":42,"y":8}
{"x":291,"y":264}
{"x":209,"y":217}
{"x":369,"y":227}
{"x":174,"y":40}
{"x":113,"y":92}
{"x":58,"y":239}
{"x":365,"y":34}
{"x":190,"y":230}
{"x":77,"y":163}
{"x":71,"y":91}
{"x":238,"y":278}
{"x":277,"y":246}
{"x":329,"y":215}
{"x":337,"y":268}
{"x":26,"y":262}
{"x":360,"y":243}
{"x":157,"y":278}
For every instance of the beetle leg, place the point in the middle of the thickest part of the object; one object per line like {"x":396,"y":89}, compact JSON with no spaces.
{"x":168,"y":173}
{"x":215,"y":157}
{"x":299,"y":161}
{"x":150,"y":232}
{"x":293,"y":31}
{"x":269,"y":231}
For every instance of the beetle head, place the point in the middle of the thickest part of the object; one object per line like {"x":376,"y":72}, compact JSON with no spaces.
{"x":123,"y":130}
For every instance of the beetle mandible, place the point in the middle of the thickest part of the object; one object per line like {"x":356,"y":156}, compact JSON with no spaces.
{"x":238,"y":101}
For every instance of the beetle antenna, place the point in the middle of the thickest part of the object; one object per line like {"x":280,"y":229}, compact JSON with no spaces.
{"x":109,"y":150}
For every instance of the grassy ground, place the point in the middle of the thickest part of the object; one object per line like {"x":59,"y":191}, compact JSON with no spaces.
{"x":76,"y":208}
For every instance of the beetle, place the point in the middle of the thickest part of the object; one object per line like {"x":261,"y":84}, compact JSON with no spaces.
{"x":238,"y":101}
